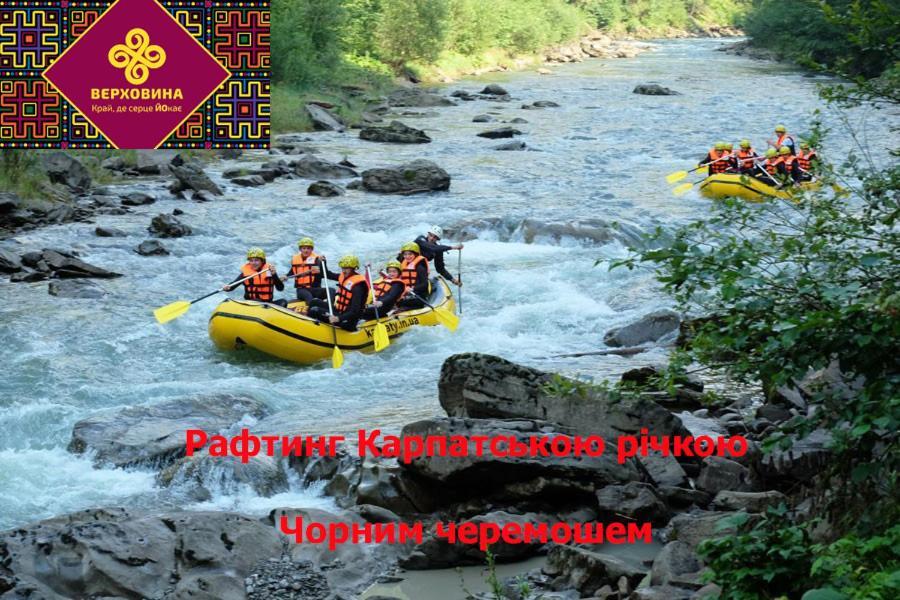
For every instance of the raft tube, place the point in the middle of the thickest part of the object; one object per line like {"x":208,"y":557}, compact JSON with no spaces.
{"x":733,"y":185}
{"x":289,"y":335}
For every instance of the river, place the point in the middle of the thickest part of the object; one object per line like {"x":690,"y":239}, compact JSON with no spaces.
{"x":602,"y":154}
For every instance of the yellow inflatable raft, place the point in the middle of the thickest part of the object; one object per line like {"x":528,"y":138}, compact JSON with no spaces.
{"x":733,"y":185}
{"x":286,"y":334}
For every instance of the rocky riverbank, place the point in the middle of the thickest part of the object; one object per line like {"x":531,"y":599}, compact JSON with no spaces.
{"x":172,"y":554}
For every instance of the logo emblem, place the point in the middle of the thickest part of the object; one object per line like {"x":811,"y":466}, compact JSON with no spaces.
{"x":137,"y":56}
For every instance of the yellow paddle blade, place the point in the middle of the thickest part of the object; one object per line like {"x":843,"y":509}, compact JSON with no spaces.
{"x":447,"y":318}
{"x":676,"y":176}
{"x":682,"y":189}
{"x":382,"y":339}
{"x":337,"y":358}
{"x":166,"y":313}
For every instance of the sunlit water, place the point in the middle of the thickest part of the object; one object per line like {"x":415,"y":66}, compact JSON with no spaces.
{"x":603,"y":154}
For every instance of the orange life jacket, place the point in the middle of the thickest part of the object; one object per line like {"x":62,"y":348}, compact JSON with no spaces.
{"x":302,"y":268}
{"x":781,"y":139}
{"x":261,"y":287}
{"x":718,"y":166}
{"x":746,"y":157}
{"x":408,"y":271}
{"x":805,"y":160}
{"x":788,"y":161}
{"x":345,"y":290}
{"x":772,"y":165}
{"x":383,"y":286}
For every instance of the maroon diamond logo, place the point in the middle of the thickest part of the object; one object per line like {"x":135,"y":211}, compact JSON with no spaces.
{"x":136,"y":74}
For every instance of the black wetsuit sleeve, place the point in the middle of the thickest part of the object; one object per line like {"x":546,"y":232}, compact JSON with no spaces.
{"x":390,"y":298}
{"x":439,"y":265}
{"x":421,"y":288}
{"x":279,"y":284}
{"x":332,"y":275}
{"x":351,"y":316}
{"x":236,"y":279}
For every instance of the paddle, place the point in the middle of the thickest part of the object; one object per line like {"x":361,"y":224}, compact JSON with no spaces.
{"x":446,"y":318}
{"x":337,"y":357}
{"x":679,"y":175}
{"x":167,"y":313}
{"x":381,"y":337}
{"x":459,"y":278}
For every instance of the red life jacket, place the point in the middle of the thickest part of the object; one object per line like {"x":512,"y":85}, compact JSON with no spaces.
{"x":345,"y":290}
{"x":383,"y":286}
{"x":408,"y":274}
{"x":261,"y":287}
{"x":746,"y":157}
{"x":302,"y":268}
{"x":805,"y":160}
{"x":718,"y":166}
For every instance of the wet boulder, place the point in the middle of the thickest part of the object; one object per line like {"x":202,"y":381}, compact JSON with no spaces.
{"x":649,"y":328}
{"x":654,"y":89}
{"x":137,"y":199}
{"x":408,"y":97}
{"x":9,"y":262}
{"x":205,"y":475}
{"x":416,"y":176}
{"x":311,"y":167}
{"x":326,"y":189}
{"x":540,"y":104}
{"x":151,"y":248}
{"x":511,"y":146}
{"x":483,"y":119}
{"x":167,"y":226}
{"x":322,"y":119}
{"x":500,"y":132}
{"x":494,"y":89}
{"x":109,"y":232}
{"x":119,"y":553}
{"x":190,"y":176}
{"x":67,"y":170}
{"x":249,"y":181}
{"x":395,"y":133}
{"x":156,"y":434}
{"x":76,"y":288}
{"x":66,"y":265}
{"x":587,"y":571}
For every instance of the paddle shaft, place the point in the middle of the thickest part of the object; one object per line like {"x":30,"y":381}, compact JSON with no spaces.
{"x":327,"y":290}
{"x":459,"y":278}
{"x":374,"y":300}
{"x":231,"y":285}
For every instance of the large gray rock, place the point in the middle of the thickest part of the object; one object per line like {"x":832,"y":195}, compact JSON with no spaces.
{"x":76,"y":288}
{"x":600,"y":231}
{"x":384,"y":484}
{"x":156,"y":434}
{"x":654,"y":89}
{"x":694,"y":527}
{"x":638,"y":501}
{"x":118,"y":553}
{"x":137,"y":199}
{"x":322,"y":119}
{"x":416,"y":97}
{"x":249,"y":181}
{"x":648,"y":328}
{"x":312,"y":167}
{"x":719,"y":474}
{"x":65,"y":169}
{"x":417,"y":176}
{"x":500,"y":132}
{"x":485,"y":472}
{"x":151,"y":248}
{"x":494,"y":89}
{"x":325,"y":189}
{"x":64,"y":265}
{"x":190,"y":176}
{"x":588,"y":571}
{"x":511,"y":146}
{"x":676,"y":565}
{"x":109,"y":232}
{"x":756,"y":502}
{"x":488,"y":387}
{"x":207,"y":475}
{"x":801,"y":462}
{"x":167,"y":226}
{"x":396,"y":133}
{"x":9,"y":262}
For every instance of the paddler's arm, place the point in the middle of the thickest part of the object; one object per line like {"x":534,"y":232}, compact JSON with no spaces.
{"x":351,"y":316}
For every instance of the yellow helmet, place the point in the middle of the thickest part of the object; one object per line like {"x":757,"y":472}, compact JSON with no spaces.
{"x":780,"y":128}
{"x":729,"y":146}
{"x":307,"y":241}
{"x":771,"y":152}
{"x":804,"y":145}
{"x":720,"y":146}
{"x":349,"y":262}
{"x":256,"y":253}
{"x":784,"y":150}
{"x":745,"y":143}
{"x":411,"y":247}
{"x":394,"y":264}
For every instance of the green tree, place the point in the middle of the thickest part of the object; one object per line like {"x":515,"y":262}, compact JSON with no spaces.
{"x":410,"y":30}
{"x":306,"y":40}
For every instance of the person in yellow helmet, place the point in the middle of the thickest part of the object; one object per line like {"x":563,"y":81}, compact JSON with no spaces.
{"x":782,"y":139}
{"x":388,"y":290}
{"x":306,"y":267}
{"x":349,"y":298}
{"x":789,"y":167}
{"x":262,"y":286}
{"x":746,"y":157}
{"x":414,"y":274}
{"x":718,"y":158}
